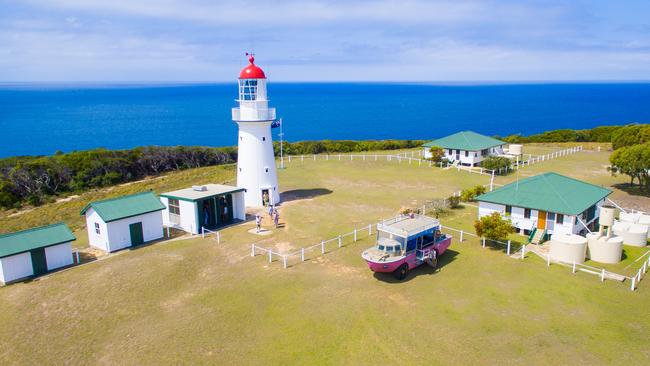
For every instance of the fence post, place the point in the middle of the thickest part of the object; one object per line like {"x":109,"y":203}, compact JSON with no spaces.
{"x":252,"y":250}
{"x":574,"y":267}
{"x":355,"y":234}
{"x":202,"y":232}
{"x":284,"y":260}
{"x":289,"y":158}
{"x":168,"y":234}
{"x":548,"y":260}
{"x":339,"y":157}
{"x":302,"y":254}
{"x":270,"y":256}
{"x":523,"y":251}
{"x":322,"y":246}
{"x":302,"y":158}
{"x":314,"y":157}
{"x":350,"y":157}
{"x":327,"y":157}
{"x":77,"y":254}
{"x":340,"y":241}
{"x":483,"y":242}
{"x":602,"y":275}
{"x":508,"y":247}
{"x":375,"y":157}
{"x":369,"y":229}
{"x":461,"y":235}
{"x":633,"y":283}
{"x":218,"y":237}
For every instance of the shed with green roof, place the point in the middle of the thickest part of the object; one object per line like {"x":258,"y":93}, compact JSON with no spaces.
{"x":549,"y":201}
{"x":35,"y":251}
{"x":466,"y":147}
{"x":125,"y":221}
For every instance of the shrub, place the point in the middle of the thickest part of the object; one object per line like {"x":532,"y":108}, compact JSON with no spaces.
{"x":470,"y":194}
{"x":437,"y":154}
{"x":493,"y":227}
{"x":496,"y":163}
{"x":454,"y":201}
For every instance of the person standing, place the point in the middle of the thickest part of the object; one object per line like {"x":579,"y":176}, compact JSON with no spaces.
{"x":258,"y":222}
{"x":276,"y":218}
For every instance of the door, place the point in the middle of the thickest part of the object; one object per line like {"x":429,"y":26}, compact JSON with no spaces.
{"x":39,"y":263}
{"x":229,"y":214}
{"x":541,"y":220}
{"x":137,"y":237}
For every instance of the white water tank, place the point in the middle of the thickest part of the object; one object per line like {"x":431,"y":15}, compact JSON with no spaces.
{"x":604,"y":250}
{"x":568,"y":248}
{"x":607,"y":215}
{"x":515,"y":149}
{"x":633,"y":234}
{"x":628,"y":217}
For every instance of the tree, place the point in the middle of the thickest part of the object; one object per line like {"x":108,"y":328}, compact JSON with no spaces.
{"x":493,"y":227}
{"x":633,"y":161}
{"x":630,"y":135}
{"x":437,"y":154}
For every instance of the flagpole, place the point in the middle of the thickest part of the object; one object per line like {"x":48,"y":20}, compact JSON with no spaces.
{"x":281,"y":145}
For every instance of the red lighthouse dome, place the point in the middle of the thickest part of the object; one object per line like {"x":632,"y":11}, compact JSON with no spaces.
{"x":251,"y":71}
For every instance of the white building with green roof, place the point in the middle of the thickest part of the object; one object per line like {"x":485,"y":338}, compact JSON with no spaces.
{"x":466,"y":147}
{"x":123,"y":222}
{"x":35,"y":251}
{"x":547,"y":202}
{"x":210,"y":206}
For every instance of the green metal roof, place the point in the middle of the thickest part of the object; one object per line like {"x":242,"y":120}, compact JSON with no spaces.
{"x":125,"y":206}
{"x":211,"y":190}
{"x":465,"y":140}
{"x":38,"y":237}
{"x":550,"y":192}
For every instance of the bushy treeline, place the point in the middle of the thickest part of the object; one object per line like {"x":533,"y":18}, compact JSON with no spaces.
{"x":612,"y":134}
{"x":33,"y":179}
{"x":343,"y":146}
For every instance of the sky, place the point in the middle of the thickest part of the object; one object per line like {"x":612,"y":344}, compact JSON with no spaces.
{"x":384,"y":40}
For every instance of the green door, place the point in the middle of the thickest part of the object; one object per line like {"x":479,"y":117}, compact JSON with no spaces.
{"x":136,"y":234}
{"x":39,"y":263}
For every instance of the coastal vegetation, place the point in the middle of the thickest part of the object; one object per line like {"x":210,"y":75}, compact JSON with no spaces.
{"x":614,"y":134}
{"x":493,"y":227}
{"x":37,"y":179}
{"x":497,"y":163}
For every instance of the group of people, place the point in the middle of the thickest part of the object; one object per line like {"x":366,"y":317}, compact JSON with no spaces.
{"x":273,"y":214}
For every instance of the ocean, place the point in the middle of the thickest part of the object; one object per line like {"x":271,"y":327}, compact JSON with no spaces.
{"x":39,"y":119}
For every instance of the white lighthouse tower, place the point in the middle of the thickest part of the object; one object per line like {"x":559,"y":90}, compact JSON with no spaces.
{"x":255,"y":162}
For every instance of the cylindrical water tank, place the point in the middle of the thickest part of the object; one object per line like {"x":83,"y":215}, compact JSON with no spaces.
{"x":628,"y":217}
{"x":604,"y":250}
{"x":632,"y":234}
{"x":607,"y":214}
{"x":515,"y":149}
{"x":568,"y":248}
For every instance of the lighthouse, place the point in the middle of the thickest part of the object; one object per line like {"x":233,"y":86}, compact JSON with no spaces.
{"x":255,"y":162}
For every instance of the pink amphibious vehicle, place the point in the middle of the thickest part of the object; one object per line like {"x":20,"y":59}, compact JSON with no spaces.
{"x":406,"y":242}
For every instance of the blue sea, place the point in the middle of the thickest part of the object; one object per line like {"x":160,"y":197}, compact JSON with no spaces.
{"x":39,"y":119}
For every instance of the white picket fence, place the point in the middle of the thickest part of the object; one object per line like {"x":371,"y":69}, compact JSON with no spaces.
{"x":545,"y":157}
{"x":320,"y":248}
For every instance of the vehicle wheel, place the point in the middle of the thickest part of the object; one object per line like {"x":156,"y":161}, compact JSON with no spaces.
{"x":401,"y":272}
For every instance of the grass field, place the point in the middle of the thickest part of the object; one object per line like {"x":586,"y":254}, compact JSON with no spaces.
{"x":197,"y":302}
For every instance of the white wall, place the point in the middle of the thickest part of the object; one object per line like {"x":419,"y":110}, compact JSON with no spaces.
{"x":16,"y":267}
{"x":254,"y":158}
{"x":58,"y":256}
{"x":187,"y":215}
{"x":473,"y":158}
{"x":96,"y":240}
{"x":119,"y":236}
{"x":239,"y":206}
{"x":518,"y":220}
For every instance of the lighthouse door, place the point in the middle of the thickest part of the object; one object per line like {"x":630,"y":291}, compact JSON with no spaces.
{"x":266,"y":197}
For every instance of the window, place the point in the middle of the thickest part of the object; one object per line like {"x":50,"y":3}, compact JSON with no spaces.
{"x":475,"y":154}
{"x":466,"y":153}
{"x":449,"y":152}
{"x":248,"y":89}
{"x":97,"y":231}
{"x":559,"y":219}
{"x":526,"y":213}
{"x":174,"y":206}
{"x":508,"y":211}
{"x":266,"y":170}
{"x":263,"y":138}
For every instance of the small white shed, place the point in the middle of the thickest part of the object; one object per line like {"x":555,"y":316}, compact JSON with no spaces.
{"x":210,"y":206}
{"x":122,"y":222}
{"x":35,"y":251}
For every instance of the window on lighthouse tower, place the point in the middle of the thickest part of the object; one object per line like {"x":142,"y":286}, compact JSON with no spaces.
{"x":247,"y":89}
